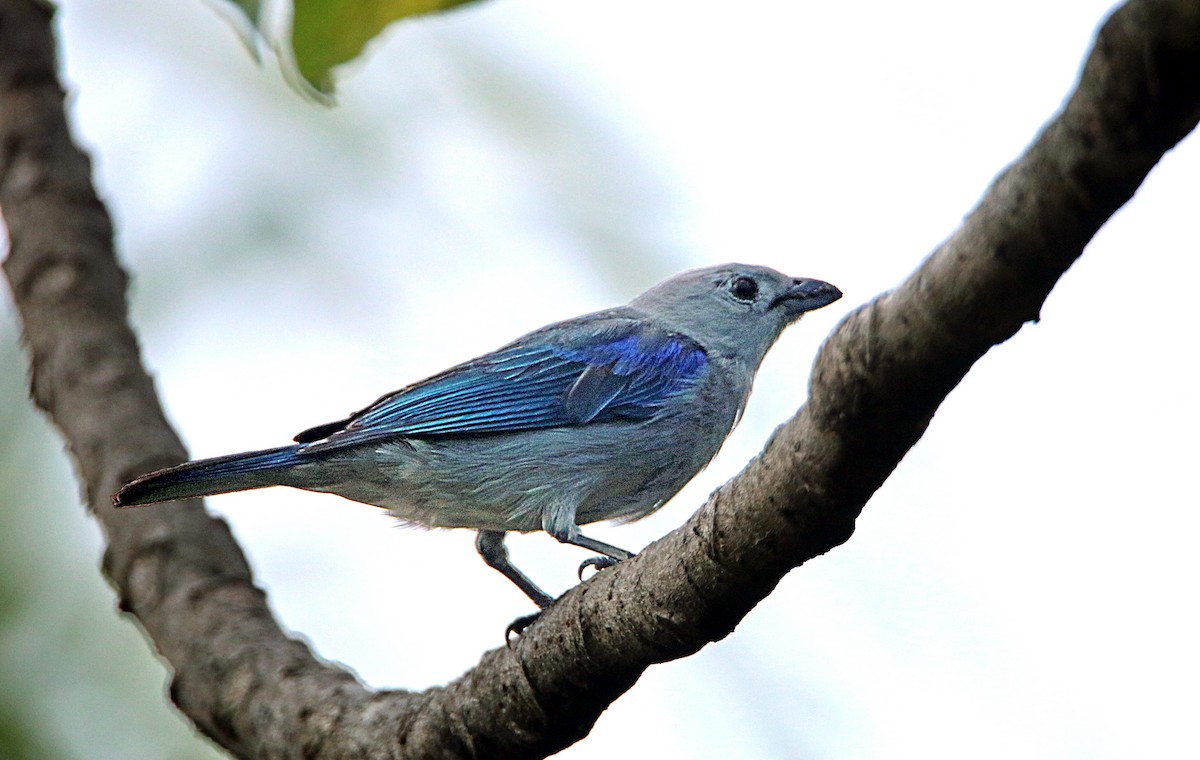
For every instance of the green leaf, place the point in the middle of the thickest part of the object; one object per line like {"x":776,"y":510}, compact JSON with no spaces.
{"x":250,"y":8}
{"x":243,"y":16}
{"x":326,"y":33}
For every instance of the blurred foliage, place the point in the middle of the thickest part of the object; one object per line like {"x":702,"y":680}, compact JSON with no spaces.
{"x":284,"y":183}
{"x":326,"y":33}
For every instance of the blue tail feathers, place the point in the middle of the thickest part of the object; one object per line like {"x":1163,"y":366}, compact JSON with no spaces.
{"x":236,"y":472}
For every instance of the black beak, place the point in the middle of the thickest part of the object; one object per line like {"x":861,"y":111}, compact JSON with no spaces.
{"x":806,"y":295}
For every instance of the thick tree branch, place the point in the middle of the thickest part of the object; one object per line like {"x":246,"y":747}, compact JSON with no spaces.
{"x":876,"y":385}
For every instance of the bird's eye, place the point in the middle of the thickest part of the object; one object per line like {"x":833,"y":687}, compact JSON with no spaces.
{"x":743,"y":289}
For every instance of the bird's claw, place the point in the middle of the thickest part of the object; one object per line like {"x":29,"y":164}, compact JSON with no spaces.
{"x":518,"y":626}
{"x":599,"y":563}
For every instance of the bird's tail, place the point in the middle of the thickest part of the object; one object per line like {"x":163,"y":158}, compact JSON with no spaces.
{"x":204,"y":477}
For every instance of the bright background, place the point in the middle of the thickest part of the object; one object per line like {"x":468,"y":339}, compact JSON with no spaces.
{"x":1023,"y":586}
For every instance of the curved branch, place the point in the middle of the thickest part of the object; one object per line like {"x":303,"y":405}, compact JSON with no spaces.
{"x":876,"y":384}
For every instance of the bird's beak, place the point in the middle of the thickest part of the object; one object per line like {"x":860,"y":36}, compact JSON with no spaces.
{"x":806,"y":295}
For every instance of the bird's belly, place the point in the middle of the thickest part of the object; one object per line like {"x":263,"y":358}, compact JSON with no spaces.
{"x":507,"y":482}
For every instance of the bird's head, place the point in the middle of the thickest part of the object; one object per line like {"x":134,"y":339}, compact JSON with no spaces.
{"x":734,"y":309}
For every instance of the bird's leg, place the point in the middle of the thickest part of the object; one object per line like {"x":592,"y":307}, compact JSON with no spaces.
{"x":611,"y":554}
{"x":567,"y":531}
{"x":490,"y":544}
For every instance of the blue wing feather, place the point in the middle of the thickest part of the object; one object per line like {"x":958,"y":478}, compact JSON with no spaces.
{"x":616,"y":369}
{"x":593,"y":390}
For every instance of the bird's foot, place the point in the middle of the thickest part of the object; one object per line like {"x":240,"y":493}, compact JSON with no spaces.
{"x":518,"y":626}
{"x":599,"y":563}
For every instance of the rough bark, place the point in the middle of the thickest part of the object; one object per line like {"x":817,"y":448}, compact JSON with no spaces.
{"x":876,"y":385}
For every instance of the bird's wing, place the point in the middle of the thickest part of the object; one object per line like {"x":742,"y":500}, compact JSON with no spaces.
{"x":573,"y":373}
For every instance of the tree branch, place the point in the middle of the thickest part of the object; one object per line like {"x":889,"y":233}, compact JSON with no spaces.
{"x":876,"y":385}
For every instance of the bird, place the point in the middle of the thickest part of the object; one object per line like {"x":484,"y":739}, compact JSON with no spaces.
{"x":602,"y":417}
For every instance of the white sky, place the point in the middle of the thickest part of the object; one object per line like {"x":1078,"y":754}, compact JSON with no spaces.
{"x":1024,"y":586}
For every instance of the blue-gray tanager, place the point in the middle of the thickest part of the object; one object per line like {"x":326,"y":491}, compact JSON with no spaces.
{"x":604,"y":416}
